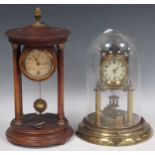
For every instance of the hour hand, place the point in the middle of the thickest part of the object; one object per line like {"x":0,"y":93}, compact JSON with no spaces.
{"x":36,"y":60}
{"x":115,"y":70}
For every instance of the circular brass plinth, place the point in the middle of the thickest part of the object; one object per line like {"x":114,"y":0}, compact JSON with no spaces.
{"x":39,"y":131}
{"x":114,"y":137}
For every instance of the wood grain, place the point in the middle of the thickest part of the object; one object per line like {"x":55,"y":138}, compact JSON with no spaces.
{"x":23,"y":129}
{"x":17,"y":84}
{"x":60,"y":60}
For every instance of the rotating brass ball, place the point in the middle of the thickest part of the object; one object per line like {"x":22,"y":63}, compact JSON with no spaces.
{"x":40,"y":105}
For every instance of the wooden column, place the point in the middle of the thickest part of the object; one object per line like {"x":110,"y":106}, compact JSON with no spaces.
{"x":60,"y":58}
{"x":97,"y":106}
{"x":17,"y":85}
{"x":130,"y":106}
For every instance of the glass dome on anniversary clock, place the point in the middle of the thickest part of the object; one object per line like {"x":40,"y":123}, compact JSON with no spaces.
{"x":113,"y":78}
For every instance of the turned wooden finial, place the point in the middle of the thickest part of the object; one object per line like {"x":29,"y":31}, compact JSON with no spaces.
{"x":37,"y":15}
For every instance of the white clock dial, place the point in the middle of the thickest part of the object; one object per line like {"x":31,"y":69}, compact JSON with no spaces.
{"x":113,"y":71}
{"x":38,"y":63}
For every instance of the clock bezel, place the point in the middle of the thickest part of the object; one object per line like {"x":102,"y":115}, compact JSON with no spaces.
{"x":51,"y":53}
{"x":124,"y":61}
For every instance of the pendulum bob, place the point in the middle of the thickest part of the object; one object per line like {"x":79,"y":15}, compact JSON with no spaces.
{"x":40,"y":105}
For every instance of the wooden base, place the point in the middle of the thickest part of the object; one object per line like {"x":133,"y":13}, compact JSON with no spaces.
{"x":39,"y":131}
{"x":114,"y":137}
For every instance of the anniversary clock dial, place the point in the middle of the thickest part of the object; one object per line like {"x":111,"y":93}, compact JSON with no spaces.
{"x":38,"y":63}
{"x":113,"y":71}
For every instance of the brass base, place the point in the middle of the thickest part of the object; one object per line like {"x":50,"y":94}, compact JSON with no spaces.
{"x":114,"y":137}
{"x":39,"y":131}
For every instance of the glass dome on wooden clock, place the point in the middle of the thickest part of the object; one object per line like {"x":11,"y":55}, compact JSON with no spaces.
{"x":113,"y":78}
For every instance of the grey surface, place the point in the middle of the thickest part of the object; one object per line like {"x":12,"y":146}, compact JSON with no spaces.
{"x":86,"y":22}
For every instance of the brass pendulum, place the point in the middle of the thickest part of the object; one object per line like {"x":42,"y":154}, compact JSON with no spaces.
{"x":40,"y":105}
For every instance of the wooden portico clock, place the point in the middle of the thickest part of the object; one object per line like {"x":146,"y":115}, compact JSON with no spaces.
{"x":38,"y":52}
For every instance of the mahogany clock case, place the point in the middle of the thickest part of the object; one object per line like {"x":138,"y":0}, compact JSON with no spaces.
{"x":38,"y":130}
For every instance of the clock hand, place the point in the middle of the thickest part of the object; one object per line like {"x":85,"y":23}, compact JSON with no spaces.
{"x":37,"y":62}
{"x":115,"y":70}
{"x":44,"y":63}
{"x":35,"y":59}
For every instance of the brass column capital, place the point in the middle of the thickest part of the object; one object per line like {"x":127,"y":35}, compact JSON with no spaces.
{"x":14,"y":46}
{"x":61,"y":46}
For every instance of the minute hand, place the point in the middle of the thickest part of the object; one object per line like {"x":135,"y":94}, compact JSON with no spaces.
{"x":116,"y":69}
{"x":44,"y":63}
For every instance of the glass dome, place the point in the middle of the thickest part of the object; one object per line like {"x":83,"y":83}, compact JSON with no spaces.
{"x":112,"y":76}
{"x":114,"y":71}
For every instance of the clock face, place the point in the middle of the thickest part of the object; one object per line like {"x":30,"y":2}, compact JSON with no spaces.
{"x":37,"y":64}
{"x":113,"y":71}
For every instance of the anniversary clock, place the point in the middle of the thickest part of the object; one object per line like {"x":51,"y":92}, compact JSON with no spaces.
{"x":38,"y":53}
{"x":112,"y":81}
